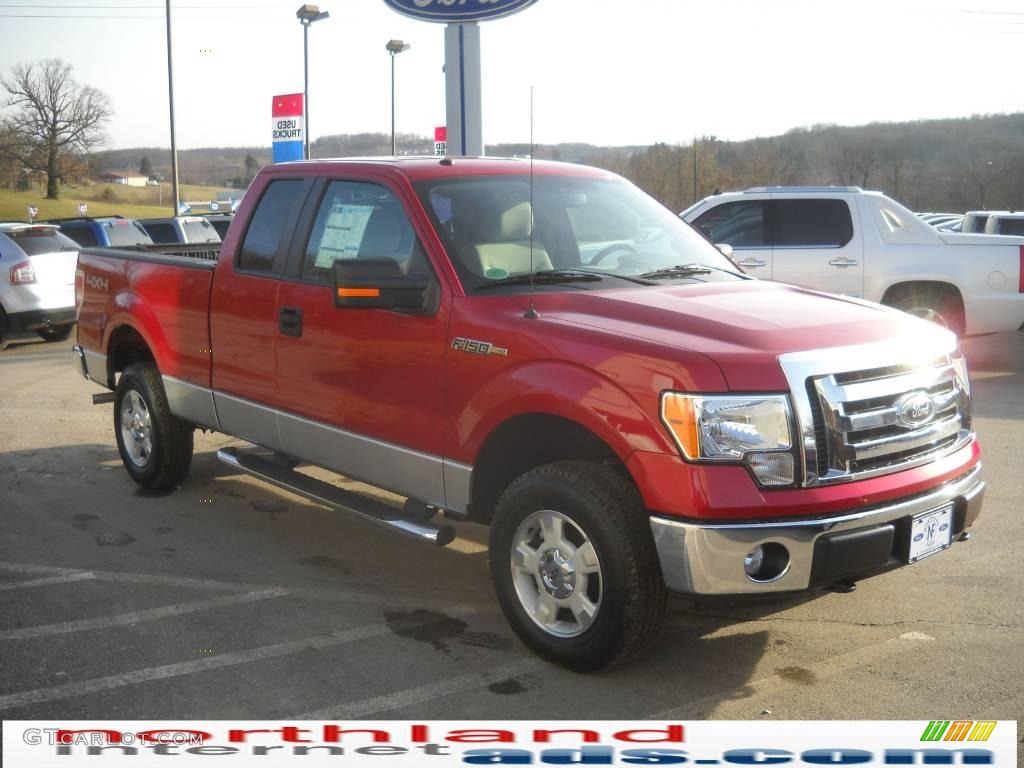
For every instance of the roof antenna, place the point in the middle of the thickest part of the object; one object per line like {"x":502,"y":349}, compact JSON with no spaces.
{"x":531,"y":313}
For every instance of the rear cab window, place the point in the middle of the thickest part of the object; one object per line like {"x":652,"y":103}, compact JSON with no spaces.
{"x":267,"y":226}
{"x":161,"y":232}
{"x":126,"y":232}
{"x":83,"y":234}
{"x":199,"y":230}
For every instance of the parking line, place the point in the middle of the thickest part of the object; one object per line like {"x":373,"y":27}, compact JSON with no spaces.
{"x":30,"y":568}
{"x":80,"y":576}
{"x":830,"y":667}
{"x":395,"y":701}
{"x":288,"y":648}
{"x":136,"y":616}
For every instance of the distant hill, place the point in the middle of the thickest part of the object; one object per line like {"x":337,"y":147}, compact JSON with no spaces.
{"x":952,"y":164}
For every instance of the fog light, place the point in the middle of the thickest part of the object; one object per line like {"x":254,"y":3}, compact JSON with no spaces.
{"x":766,"y":562}
{"x":753,"y":561}
{"x":772,"y":468}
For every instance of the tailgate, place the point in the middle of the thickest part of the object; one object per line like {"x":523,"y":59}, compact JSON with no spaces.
{"x":161,"y":301}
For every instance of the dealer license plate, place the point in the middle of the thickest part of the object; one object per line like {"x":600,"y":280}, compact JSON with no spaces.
{"x":931,"y":532}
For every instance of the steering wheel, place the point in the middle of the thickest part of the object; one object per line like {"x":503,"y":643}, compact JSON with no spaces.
{"x":605,"y":252}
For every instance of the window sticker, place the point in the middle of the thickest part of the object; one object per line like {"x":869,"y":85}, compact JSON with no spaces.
{"x":343,"y":233}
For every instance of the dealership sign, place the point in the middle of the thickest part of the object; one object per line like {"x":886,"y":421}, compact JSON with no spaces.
{"x":455,"y":11}
{"x":288,"y":126}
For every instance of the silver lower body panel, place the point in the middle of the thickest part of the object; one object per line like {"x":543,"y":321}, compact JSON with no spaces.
{"x":701,"y":559}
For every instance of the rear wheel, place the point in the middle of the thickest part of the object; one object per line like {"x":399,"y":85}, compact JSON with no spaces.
{"x":3,"y":331}
{"x":155,"y":446}
{"x":56,"y":332}
{"x":941,"y":305}
{"x":574,"y":565}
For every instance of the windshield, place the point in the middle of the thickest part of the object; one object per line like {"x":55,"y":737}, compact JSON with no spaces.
{"x":604,"y":226}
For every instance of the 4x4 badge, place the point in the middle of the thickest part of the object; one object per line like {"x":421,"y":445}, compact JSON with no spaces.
{"x":478,"y":347}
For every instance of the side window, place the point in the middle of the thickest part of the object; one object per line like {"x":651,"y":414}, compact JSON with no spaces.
{"x":267,"y":225}
{"x":739,"y":224}
{"x":84,"y":236}
{"x":357,"y":220}
{"x":824,"y":223}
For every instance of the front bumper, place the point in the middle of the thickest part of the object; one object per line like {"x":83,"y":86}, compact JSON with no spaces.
{"x":708,"y":559}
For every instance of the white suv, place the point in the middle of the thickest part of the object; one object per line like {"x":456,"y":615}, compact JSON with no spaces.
{"x":37,"y":281}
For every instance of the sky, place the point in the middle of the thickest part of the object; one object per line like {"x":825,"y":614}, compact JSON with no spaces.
{"x":612,"y":72}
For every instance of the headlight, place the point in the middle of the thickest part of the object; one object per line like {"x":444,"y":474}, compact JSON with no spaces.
{"x":751,"y":429}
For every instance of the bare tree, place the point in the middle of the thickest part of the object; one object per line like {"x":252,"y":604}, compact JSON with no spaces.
{"x":51,"y":118}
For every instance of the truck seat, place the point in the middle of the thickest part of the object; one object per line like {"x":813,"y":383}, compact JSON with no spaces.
{"x":503,"y":244}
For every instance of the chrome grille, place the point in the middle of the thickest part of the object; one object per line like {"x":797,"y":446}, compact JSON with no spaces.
{"x":882,"y":419}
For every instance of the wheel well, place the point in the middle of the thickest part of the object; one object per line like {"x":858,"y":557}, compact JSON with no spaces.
{"x":525,"y":442}
{"x":126,"y":347}
{"x":899,"y":290}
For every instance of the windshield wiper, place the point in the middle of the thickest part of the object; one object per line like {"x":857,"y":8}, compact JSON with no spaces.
{"x":544,"y":276}
{"x":680,"y":270}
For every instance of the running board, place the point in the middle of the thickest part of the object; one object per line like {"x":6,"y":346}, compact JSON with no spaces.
{"x":351,"y":503}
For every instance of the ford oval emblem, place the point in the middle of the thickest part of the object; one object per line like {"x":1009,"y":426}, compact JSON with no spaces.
{"x":447,"y":11}
{"x":919,"y":537}
{"x":915,"y":409}
{"x":944,"y":526}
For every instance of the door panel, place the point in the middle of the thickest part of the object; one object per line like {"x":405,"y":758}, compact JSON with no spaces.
{"x":243,"y":315}
{"x":360,"y":391}
{"x":816,"y":244}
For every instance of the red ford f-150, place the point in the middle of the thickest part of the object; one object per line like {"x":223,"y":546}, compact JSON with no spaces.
{"x":546,"y":350}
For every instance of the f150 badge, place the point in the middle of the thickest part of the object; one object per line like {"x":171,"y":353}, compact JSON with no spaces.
{"x":478,"y":347}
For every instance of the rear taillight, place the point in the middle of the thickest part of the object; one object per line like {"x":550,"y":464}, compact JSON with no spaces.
{"x":22,"y":273}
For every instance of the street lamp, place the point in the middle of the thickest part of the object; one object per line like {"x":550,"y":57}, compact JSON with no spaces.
{"x":306,"y":15}
{"x":394,"y":47}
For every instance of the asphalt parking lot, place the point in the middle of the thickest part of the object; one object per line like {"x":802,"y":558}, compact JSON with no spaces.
{"x":231,"y":599}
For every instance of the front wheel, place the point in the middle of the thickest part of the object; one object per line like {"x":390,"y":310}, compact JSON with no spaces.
{"x":155,"y":445}
{"x":574,"y":565}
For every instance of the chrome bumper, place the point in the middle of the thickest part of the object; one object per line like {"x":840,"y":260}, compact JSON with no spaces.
{"x":708,"y":559}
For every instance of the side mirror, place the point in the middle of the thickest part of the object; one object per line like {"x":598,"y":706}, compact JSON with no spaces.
{"x":380,"y":284}
{"x":725,"y":248}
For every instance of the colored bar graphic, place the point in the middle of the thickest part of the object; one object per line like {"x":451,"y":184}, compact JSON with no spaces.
{"x":288,"y":127}
{"x":958,"y":730}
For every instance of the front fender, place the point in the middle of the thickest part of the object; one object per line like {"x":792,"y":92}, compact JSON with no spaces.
{"x":570,"y":391}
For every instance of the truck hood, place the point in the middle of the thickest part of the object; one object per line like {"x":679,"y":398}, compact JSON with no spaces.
{"x":743,"y":327}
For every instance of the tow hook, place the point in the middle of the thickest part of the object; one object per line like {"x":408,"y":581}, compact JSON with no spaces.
{"x":844,"y":587}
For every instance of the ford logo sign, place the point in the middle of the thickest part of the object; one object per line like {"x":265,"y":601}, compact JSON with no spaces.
{"x":944,"y":526}
{"x":454,"y":11}
{"x":919,"y":537}
{"x":915,"y":409}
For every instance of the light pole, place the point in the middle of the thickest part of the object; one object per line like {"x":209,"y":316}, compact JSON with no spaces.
{"x":394,"y":47}
{"x":170,"y":103}
{"x":307,"y":14}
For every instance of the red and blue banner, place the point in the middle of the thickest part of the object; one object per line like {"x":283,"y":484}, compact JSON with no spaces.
{"x":289,"y":127}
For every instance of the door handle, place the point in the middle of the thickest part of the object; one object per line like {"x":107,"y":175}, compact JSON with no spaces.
{"x":843,"y":262}
{"x":289,"y":321}
{"x":752,"y":262}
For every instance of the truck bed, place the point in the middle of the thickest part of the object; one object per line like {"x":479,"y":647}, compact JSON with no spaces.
{"x":161,"y":292}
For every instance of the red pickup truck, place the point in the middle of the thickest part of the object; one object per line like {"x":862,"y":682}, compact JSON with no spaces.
{"x":543,"y":349}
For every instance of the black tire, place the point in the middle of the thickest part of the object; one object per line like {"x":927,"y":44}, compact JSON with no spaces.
{"x":606,"y":509}
{"x":3,"y":331}
{"x":56,"y":332}
{"x":169,"y":456}
{"x":942,"y":305}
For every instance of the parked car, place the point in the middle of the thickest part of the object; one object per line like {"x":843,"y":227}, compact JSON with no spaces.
{"x":180,"y":229}
{"x":848,"y":241}
{"x":1005,"y":224}
{"x":221,"y":222}
{"x":104,"y":231}
{"x":37,"y":282}
{"x":649,"y":420}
